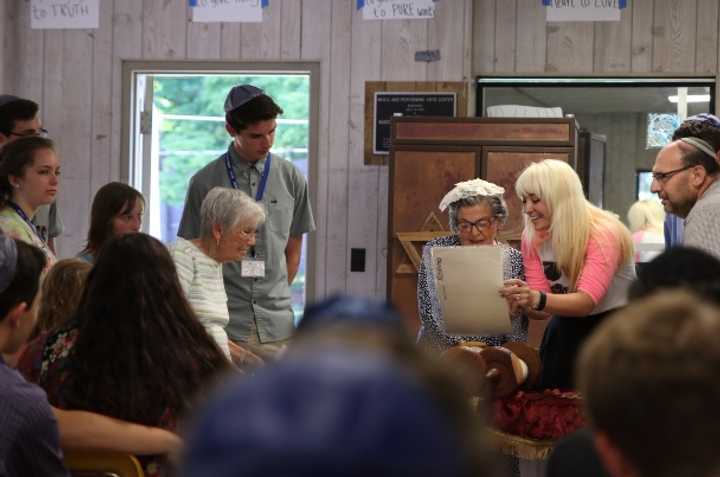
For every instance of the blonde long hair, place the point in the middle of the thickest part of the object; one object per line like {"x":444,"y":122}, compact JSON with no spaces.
{"x":572,"y":217}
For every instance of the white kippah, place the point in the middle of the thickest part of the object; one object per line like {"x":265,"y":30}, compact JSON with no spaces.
{"x":471,"y":188}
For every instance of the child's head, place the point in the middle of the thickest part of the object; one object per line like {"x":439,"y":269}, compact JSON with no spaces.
{"x":61,"y":292}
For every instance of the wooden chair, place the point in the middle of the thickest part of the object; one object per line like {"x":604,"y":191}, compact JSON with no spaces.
{"x":102,"y":464}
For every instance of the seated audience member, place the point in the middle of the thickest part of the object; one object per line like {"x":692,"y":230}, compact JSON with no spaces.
{"x":229,"y":219}
{"x":29,"y":441}
{"x":29,"y":178}
{"x":646,"y":219}
{"x":353,"y":396}
{"x":19,"y":118}
{"x":477,"y":211}
{"x":117,"y":209}
{"x":135,"y":350}
{"x":578,"y":263}
{"x":60,"y":294}
{"x":649,"y":379}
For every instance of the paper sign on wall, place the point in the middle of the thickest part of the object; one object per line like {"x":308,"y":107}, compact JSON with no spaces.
{"x":583,"y":10}
{"x":211,"y":11}
{"x":64,"y":14}
{"x":396,"y":9}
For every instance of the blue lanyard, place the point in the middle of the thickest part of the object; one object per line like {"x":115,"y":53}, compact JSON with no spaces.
{"x":263,"y":177}
{"x":25,"y":217}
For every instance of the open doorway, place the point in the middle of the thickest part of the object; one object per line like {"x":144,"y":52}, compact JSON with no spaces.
{"x":176,"y":125}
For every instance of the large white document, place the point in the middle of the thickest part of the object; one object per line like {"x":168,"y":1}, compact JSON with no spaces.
{"x":467,"y":280}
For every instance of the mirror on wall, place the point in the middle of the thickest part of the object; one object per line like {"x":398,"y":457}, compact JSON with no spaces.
{"x":636,"y":117}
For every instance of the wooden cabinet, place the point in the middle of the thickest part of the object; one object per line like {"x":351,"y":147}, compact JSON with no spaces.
{"x":430,"y":155}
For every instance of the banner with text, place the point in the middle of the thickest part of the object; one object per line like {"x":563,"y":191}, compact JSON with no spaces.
{"x":396,"y":9}
{"x":238,"y":11}
{"x":64,"y":14}
{"x":583,"y":10}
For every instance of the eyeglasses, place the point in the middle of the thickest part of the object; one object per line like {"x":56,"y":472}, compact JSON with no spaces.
{"x":466,"y":227}
{"x":42,"y":132}
{"x":663,"y":177}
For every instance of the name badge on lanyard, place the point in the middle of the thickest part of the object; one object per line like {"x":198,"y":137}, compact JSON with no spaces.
{"x":250,"y":267}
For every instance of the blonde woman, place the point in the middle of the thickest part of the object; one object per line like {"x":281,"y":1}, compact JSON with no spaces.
{"x":646,"y":219}
{"x":578,"y":264}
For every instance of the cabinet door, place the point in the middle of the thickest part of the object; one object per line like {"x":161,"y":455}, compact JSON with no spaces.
{"x":503,"y":165}
{"x":419,"y":179}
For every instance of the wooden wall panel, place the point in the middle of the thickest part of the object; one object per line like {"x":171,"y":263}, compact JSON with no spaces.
{"x":366,"y":58}
{"x":30,"y":47}
{"x":674,"y":40}
{"x":162,"y":33}
{"x":570,"y":47}
{"x":505,"y":39}
{"x":444,"y":33}
{"x":203,"y":39}
{"x":483,"y":37}
{"x":336,"y":266}
{"x":230,"y":40}
{"x":642,"y":35}
{"x":291,"y":20}
{"x":612,"y":45}
{"x":706,"y":39}
{"x":531,"y":37}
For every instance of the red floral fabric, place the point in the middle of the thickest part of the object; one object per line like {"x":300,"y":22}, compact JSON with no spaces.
{"x":544,"y":415}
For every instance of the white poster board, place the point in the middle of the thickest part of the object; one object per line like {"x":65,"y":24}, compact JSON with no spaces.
{"x":239,"y":11}
{"x":397,"y":9}
{"x":583,"y":11}
{"x":468,"y":281}
{"x":64,"y":14}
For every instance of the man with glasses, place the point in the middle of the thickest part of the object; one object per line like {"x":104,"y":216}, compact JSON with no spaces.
{"x":19,"y":118}
{"x":685,"y":178}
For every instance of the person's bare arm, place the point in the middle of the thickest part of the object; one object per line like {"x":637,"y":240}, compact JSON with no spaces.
{"x":81,"y":430}
{"x":292,"y":255}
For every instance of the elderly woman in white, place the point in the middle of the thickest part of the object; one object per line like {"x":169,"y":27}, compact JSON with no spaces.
{"x":229,"y":219}
{"x":476,"y":211}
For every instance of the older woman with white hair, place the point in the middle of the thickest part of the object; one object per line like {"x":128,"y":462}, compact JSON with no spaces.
{"x":229,"y":219}
{"x":476,"y":210}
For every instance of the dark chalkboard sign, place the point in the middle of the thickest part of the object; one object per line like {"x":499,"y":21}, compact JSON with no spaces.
{"x":390,"y":104}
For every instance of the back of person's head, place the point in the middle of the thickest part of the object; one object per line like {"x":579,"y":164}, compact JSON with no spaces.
{"x":259,"y":107}
{"x":332,"y":410}
{"x":649,"y":379}
{"x":647,"y":214}
{"x":15,"y":158}
{"x":702,"y":126}
{"x":14,"y":109}
{"x":110,"y":201}
{"x":21,"y":266}
{"x":61,"y":292}
{"x":140,"y":350}
{"x":679,"y":267}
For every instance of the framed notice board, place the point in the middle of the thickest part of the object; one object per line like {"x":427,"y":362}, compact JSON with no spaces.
{"x":385,"y":99}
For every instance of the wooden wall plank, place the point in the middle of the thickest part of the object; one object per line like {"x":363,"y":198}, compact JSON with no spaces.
{"x":505,"y":39}
{"x":674,"y":36}
{"x":127,"y":31}
{"x":483,"y":37}
{"x":570,"y":47}
{"x":445,"y":35}
{"x":203,"y":39}
{"x":365,"y":57}
{"x":10,"y":45}
{"x":291,"y":21}
{"x":230,"y":41}
{"x":75,"y":112}
{"x":316,"y":43}
{"x":30,"y":75}
{"x":5,"y":28}
{"x":102,"y":101}
{"x":706,"y":41}
{"x":642,"y":35}
{"x":261,"y":41}
{"x":531,"y":37}
{"x":164,"y":29}
{"x":613,"y":44}
{"x":338,"y":161}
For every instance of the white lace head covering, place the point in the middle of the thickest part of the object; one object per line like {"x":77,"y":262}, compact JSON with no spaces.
{"x":471,"y":188}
